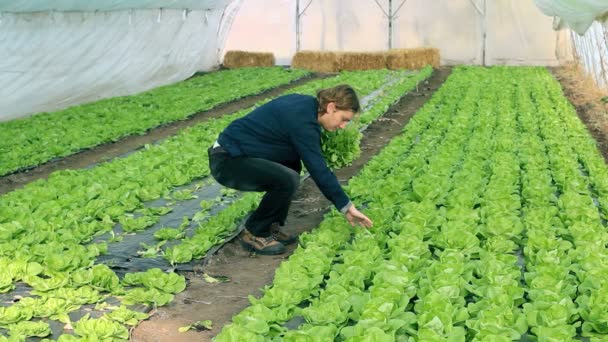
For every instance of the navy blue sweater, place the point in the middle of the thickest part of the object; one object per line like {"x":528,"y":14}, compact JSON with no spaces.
{"x":285,"y":130}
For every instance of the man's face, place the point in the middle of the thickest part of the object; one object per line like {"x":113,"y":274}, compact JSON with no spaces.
{"x":334,"y":118}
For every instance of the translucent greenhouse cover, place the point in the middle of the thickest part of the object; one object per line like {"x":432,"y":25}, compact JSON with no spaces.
{"x":592,"y":52}
{"x":59,"y":53}
{"x":588,"y":20}
{"x":577,"y":14}
{"x":106,"y":5}
{"x":482,"y":32}
{"x":56,"y":54}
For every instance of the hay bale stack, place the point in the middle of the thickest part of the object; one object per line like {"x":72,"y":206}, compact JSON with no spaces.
{"x":327,"y":61}
{"x":240,"y":59}
{"x":319,"y":61}
{"x":412,"y":58}
{"x":361,"y":60}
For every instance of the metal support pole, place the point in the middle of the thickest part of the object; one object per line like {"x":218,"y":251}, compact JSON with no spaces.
{"x":390,"y":16}
{"x":298,"y":26}
{"x":390,"y":24}
{"x":484,"y":28}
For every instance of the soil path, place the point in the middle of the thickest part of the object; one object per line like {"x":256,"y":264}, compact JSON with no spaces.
{"x":108,"y":151}
{"x":586,"y":98}
{"x":250,"y":273}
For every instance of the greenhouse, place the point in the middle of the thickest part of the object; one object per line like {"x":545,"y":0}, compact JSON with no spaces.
{"x":304,"y":170}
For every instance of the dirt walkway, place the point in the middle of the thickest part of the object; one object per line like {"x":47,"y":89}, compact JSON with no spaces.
{"x":249,"y":273}
{"x":108,"y":151}
{"x":586,"y":97}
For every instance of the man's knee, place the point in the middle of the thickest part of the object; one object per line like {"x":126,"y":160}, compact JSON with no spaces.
{"x":293,"y":181}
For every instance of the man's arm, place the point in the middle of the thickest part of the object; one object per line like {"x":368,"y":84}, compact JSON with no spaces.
{"x":306,"y":141}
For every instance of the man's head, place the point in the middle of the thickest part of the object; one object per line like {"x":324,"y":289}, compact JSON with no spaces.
{"x":337,"y":106}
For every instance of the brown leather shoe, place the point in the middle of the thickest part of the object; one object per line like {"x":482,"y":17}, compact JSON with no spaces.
{"x":281,"y":234}
{"x":261,"y":245}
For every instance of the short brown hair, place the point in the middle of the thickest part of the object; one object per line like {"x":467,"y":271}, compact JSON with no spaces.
{"x":343,"y":95}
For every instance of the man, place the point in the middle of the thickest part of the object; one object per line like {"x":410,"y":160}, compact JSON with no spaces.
{"x":263,"y":151}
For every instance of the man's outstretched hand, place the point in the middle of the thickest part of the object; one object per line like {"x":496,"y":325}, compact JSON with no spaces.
{"x":355,"y":217}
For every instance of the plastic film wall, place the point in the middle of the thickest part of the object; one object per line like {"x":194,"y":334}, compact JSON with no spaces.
{"x":20,"y":6}
{"x":587,"y":23}
{"x":578,"y":15}
{"x":592,"y":52}
{"x":54,"y":59}
{"x":478,"y":32}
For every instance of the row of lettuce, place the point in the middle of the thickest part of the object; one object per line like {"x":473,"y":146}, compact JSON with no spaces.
{"x":489,"y":216}
{"x":47,"y":227}
{"x":25,"y":143}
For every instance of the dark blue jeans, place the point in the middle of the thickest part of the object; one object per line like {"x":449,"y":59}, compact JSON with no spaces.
{"x":279,"y":181}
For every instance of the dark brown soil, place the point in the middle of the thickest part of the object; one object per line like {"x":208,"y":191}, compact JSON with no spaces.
{"x":586,"y":97}
{"x":108,"y":151}
{"x":249,"y":273}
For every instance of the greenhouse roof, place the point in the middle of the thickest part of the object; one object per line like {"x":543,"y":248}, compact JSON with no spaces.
{"x":106,"y":5}
{"x":576,"y":14}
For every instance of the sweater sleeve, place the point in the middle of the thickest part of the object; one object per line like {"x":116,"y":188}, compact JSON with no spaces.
{"x":307,"y":142}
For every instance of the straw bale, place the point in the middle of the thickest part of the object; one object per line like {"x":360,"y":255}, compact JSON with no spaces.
{"x":240,"y":59}
{"x":328,"y":61}
{"x":361,"y":60}
{"x":415,"y":58}
{"x":319,"y":61}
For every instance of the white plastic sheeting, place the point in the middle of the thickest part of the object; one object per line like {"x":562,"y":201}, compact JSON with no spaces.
{"x":519,"y":34}
{"x":576,"y":14}
{"x":466,"y":31}
{"x":588,"y":21}
{"x":52,"y":60}
{"x":106,"y":5}
{"x":592,"y":52}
